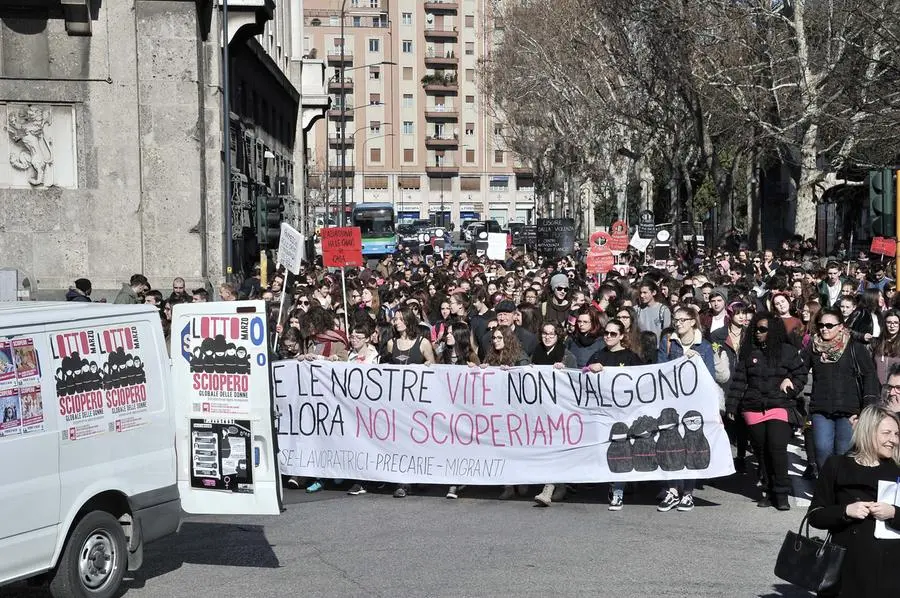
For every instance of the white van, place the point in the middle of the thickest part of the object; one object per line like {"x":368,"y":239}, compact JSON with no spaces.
{"x":104,"y":441}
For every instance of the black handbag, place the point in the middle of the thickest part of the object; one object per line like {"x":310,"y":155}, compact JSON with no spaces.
{"x":810,"y":563}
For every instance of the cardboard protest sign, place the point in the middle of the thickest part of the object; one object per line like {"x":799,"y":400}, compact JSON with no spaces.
{"x":600,"y":259}
{"x":618,"y":232}
{"x":455,"y":425}
{"x":646,"y":225}
{"x":290,"y":248}
{"x":555,"y":237}
{"x":342,"y":247}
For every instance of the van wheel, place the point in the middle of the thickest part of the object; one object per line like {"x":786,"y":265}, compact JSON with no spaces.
{"x":94,"y":560}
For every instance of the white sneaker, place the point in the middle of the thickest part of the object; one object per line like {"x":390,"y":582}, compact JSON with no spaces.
{"x":669,"y":502}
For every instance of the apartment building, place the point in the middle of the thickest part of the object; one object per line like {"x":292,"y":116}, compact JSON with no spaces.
{"x":409,"y":110}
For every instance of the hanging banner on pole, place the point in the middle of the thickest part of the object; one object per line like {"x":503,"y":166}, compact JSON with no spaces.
{"x":342,"y":247}
{"x":456,"y":425}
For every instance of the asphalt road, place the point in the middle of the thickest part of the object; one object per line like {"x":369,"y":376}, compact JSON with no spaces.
{"x":331,"y":544}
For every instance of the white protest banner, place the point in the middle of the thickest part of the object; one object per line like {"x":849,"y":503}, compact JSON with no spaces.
{"x":290,"y":248}
{"x":496,"y":247}
{"x":526,"y":425}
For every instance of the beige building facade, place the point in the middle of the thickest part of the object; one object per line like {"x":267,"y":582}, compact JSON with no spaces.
{"x":411,"y":112}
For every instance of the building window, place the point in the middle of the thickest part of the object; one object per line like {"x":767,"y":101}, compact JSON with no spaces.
{"x":374,"y":154}
{"x":407,"y":18}
{"x":374,"y":45}
{"x":407,"y":127}
{"x":407,"y":100}
{"x":470,"y":99}
{"x":374,"y":72}
{"x":378,"y":22}
{"x":374,"y":99}
{"x":470,"y":21}
{"x":470,"y":156}
{"x":498,"y":156}
{"x":498,"y":129}
{"x":357,"y":21}
{"x":499,"y":183}
{"x":470,"y":129}
{"x":407,"y":73}
{"x":374,"y":3}
{"x":407,"y":46}
{"x":409,"y":155}
{"x":334,"y":21}
{"x":470,"y":48}
{"x":375,"y":126}
{"x":470,"y":75}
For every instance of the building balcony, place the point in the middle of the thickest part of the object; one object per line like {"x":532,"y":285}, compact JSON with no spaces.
{"x":442,"y":6}
{"x":335,"y":169}
{"x":441,"y":113}
{"x":334,"y":57}
{"x":339,"y":141}
{"x":442,"y":34}
{"x":335,"y":113}
{"x":334,"y":85}
{"x":441,"y":142}
{"x":443,"y":171}
{"x":440,"y":84}
{"x":438,"y":61}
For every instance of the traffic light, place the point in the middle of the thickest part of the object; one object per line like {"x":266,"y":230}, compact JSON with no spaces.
{"x":268,"y":220}
{"x":882,"y":212}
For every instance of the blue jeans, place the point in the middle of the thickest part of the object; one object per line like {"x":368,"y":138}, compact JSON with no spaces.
{"x":831,"y":436}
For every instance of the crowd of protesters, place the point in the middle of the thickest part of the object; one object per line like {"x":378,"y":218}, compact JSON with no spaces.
{"x":800,"y":343}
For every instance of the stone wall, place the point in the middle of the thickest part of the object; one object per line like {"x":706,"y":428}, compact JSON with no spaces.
{"x":144,"y":100}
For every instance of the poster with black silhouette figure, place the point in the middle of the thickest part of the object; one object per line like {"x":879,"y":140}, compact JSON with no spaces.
{"x":221,"y":455}
{"x":697,"y":452}
{"x":670,"y":451}
{"x":100,"y":380}
{"x":619,"y":454}
{"x":220,"y":371}
{"x":643,"y":450}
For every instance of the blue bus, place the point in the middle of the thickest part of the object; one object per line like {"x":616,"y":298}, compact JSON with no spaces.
{"x":376,"y":223}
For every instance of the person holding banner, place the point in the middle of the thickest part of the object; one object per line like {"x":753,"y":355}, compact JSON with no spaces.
{"x":685,"y":341}
{"x":407,"y":347}
{"x":506,"y":352}
{"x":616,"y":353}
{"x":760,"y":393}
{"x":457,"y":346}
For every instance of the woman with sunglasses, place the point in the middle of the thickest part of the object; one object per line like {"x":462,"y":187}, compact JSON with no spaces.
{"x":761,"y":395}
{"x":887,"y":348}
{"x":685,"y":341}
{"x":844,"y":381}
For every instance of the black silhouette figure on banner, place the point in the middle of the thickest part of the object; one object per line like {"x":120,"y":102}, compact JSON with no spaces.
{"x":669,"y":445}
{"x":618,"y":454}
{"x":123,"y":369}
{"x":695,"y":443}
{"x":76,"y":375}
{"x":643,"y":451}
{"x":217,"y":356}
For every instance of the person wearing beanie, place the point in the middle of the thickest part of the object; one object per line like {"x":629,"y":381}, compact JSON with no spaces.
{"x":81,"y":292}
{"x":556,"y":308}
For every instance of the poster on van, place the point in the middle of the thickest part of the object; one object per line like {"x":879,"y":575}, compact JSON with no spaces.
{"x":220,"y":455}
{"x":225,"y":354}
{"x":99,"y":379}
{"x":7,"y":366}
{"x":10,"y":422}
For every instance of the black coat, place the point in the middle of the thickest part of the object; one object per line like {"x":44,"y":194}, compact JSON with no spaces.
{"x":755,"y":385}
{"x":870,"y":566}
{"x":835,"y":389}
